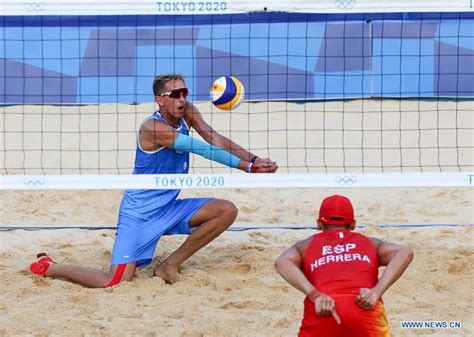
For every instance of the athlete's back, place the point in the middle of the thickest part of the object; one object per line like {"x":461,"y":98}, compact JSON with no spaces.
{"x":338,"y":263}
{"x":341,"y":262}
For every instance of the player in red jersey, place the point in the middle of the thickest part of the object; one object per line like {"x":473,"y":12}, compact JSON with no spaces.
{"x":337,"y":270}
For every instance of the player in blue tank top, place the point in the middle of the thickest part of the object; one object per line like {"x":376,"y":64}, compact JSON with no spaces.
{"x":163,"y":147}
{"x":160,"y":161}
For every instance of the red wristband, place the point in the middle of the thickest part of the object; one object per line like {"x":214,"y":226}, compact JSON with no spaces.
{"x":254,"y":168}
{"x":314,"y":294}
{"x":251,"y":168}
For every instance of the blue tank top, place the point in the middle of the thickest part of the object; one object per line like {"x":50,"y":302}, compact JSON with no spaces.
{"x":144,"y":203}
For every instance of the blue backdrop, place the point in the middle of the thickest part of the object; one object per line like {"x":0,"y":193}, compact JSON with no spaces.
{"x":111,"y":59}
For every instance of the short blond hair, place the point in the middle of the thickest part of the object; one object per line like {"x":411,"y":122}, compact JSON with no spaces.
{"x":160,"y":81}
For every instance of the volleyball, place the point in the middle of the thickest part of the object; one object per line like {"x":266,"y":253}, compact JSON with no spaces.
{"x":227,"y":92}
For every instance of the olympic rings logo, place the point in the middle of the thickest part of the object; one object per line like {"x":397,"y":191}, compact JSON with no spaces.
{"x":346,"y":180}
{"x":34,"y":182}
{"x":34,"y":6}
{"x":345,"y":4}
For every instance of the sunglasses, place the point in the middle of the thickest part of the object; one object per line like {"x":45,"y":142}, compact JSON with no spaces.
{"x":177,"y":93}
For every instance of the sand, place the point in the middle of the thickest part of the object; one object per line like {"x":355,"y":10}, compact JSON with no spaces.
{"x":230,"y":287}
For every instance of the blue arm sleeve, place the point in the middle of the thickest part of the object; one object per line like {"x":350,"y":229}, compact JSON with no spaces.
{"x":189,"y":144}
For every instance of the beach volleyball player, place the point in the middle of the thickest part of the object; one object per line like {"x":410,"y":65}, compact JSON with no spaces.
{"x":337,"y":270}
{"x":163,"y":147}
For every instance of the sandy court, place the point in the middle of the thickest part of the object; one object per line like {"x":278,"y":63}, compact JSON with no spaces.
{"x":230,"y":287}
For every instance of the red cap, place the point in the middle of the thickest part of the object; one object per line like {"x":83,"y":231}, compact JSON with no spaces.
{"x":336,"y":210}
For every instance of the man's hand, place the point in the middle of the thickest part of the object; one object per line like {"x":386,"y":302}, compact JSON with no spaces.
{"x":367,"y":298}
{"x":325,"y":306}
{"x":265,"y":165}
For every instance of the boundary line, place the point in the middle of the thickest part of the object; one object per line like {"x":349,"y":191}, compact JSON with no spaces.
{"x":233,"y":229}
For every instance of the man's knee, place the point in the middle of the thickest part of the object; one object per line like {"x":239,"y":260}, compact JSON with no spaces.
{"x":120,"y":273}
{"x":234,"y":211}
{"x":228,"y":210}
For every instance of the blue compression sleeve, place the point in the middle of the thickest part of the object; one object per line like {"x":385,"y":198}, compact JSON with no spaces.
{"x":189,"y":144}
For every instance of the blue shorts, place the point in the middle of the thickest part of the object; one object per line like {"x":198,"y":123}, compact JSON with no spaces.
{"x":136,"y":238}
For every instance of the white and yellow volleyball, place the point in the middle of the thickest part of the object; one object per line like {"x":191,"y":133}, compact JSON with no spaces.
{"x":227,"y":92}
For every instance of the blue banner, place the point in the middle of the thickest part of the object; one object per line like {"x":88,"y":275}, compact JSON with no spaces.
{"x":277,"y":56}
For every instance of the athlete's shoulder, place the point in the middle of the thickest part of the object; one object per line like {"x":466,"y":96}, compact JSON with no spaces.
{"x":152,"y":123}
{"x":318,"y":237}
{"x":360,"y":237}
{"x":155,"y":133}
{"x":302,"y":245}
{"x":366,"y":241}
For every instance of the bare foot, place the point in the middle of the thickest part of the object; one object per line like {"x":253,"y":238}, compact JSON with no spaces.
{"x":168,"y":273}
{"x":25,"y":271}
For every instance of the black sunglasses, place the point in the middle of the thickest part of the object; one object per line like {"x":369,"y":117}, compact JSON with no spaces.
{"x":176,"y":93}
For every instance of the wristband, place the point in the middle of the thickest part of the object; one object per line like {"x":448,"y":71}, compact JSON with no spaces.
{"x":248,"y":168}
{"x":314,"y":294}
{"x":251,"y":168}
{"x":254,"y":158}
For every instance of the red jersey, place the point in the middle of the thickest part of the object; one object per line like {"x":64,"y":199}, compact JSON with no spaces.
{"x":339,"y":263}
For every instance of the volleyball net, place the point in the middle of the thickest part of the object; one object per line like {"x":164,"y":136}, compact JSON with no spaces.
{"x":339,"y":96}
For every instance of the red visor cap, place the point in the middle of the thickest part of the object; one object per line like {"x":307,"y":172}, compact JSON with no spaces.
{"x":336,"y":210}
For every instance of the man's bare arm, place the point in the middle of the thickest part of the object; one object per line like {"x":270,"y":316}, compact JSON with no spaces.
{"x":288,"y":265}
{"x":194,"y":118}
{"x":155,"y":134}
{"x":396,"y":258}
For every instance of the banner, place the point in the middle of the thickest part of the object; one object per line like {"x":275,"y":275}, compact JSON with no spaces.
{"x":195,"y":7}
{"x":219,"y":181}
